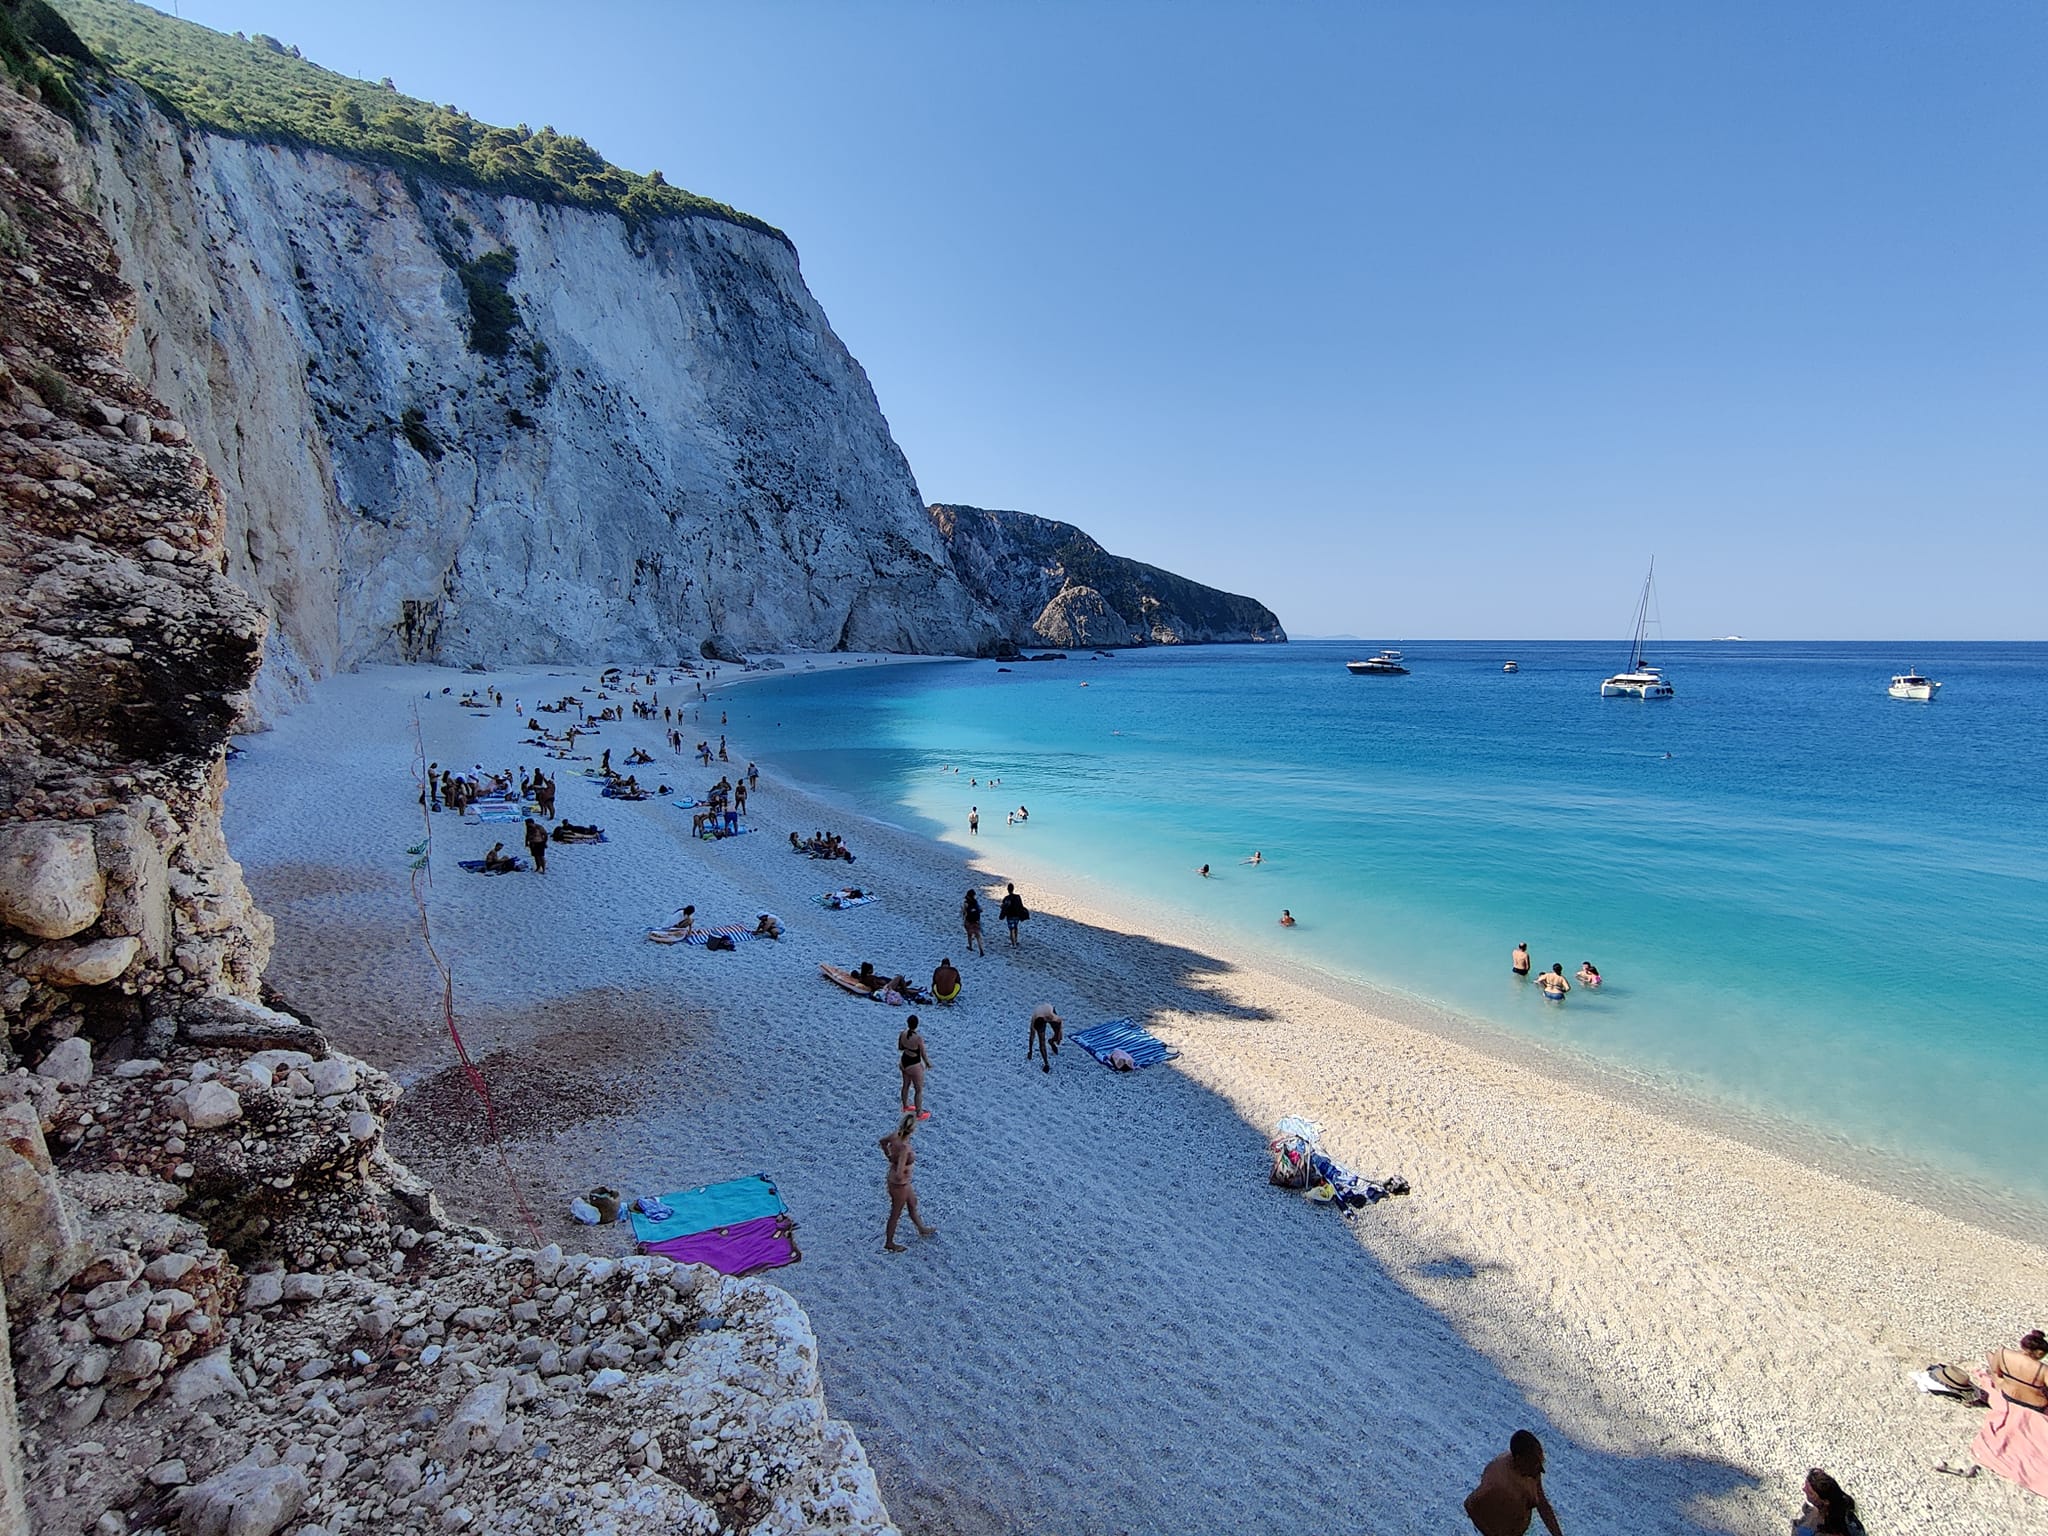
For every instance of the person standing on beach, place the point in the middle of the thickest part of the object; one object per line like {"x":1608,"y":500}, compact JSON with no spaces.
{"x":912,"y":1060}
{"x":537,"y":845}
{"x":896,"y":1147}
{"x":1012,"y":911}
{"x":1520,"y":960}
{"x":1044,"y":1019}
{"x":1510,"y":1491}
{"x":970,"y":918}
{"x":974,"y":820}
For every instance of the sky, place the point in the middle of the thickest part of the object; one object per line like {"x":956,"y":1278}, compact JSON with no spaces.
{"x":1413,"y":320}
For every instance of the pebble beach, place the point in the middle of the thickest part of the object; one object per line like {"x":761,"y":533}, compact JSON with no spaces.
{"x":1121,"y":1327}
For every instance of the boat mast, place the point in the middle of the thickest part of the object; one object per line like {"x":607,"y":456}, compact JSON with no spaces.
{"x":1635,"y":654}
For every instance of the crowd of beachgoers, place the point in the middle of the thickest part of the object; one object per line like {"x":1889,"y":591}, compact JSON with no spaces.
{"x":1562,"y":1258}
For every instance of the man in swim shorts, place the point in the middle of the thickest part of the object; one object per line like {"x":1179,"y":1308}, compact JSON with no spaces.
{"x":1520,"y":960}
{"x":946,"y":980}
{"x":1043,"y":1018}
{"x":1510,"y":1491}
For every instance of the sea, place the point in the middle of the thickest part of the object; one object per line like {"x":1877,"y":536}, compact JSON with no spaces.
{"x":1821,"y":912}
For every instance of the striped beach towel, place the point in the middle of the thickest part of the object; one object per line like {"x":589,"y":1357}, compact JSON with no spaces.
{"x":1144,"y":1048}
{"x":739,"y":933}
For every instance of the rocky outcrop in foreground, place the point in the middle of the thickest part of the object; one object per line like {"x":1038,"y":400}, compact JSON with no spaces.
{"x":1048,"y":583}
{"x":229,"y":1310}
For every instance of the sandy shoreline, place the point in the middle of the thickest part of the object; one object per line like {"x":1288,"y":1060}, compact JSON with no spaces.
{"x":1120,"y":1326}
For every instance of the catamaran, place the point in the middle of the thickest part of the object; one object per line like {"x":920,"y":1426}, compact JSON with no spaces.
{"x":1640,"y":681}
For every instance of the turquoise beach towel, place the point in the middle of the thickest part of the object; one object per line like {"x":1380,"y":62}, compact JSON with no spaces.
{"x":712,"y":1205}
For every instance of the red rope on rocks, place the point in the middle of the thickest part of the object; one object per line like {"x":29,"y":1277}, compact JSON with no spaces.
{"x":423,"y":873}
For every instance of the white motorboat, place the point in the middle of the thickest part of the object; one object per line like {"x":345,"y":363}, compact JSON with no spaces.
{"x":1640,"y":681}
{"x":1911,"y":685}
{"x":1386,"y":664}
{"x":1511,"y":666}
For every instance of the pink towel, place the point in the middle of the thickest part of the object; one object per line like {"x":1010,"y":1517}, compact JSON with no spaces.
{"x":2014,"y":1441}
{"x":763,"y":1243}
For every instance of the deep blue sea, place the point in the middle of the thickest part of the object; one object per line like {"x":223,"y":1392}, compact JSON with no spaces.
{"x":1817,"y":908}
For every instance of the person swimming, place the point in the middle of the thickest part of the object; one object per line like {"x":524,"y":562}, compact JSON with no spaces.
{"x":1203,"y":871}
{"x":1286,"y":918}
{"x":1553,"y":983}
{"x":1256,"y":858}
{"x":1589,"y":974}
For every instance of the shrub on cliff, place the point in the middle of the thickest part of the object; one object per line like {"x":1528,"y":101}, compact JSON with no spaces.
{"x":262,"y":89}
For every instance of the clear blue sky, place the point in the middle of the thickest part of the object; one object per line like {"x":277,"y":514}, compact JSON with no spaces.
{"x":1411,"y":319}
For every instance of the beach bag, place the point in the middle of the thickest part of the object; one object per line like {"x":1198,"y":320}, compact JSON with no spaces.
{"x":720,"y":941}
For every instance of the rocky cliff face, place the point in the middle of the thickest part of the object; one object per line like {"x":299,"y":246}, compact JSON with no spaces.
{"x":1049,"y":583}
{"x":227,"y":1307}
{"x":471,"y":428}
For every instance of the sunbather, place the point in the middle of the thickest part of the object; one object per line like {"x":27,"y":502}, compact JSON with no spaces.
{"x":578,"y":832}
{"x":498,"y":862}
{"x":946,"y":981}
{"x":2021,"y":1375}
{"x":680,"y":927}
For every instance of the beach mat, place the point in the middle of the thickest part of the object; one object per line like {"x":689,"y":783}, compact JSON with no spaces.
{"x":739,"y":933}
{"x":767,"y":1242}
{"x":476,"y":867}
{"x":1144,"y":1048}
{"x":727,"y":1204}
{"x":826,"y":901}
{"x":844,"y":979}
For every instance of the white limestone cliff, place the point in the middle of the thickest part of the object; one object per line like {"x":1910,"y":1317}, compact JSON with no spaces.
{"x":673,"y":447}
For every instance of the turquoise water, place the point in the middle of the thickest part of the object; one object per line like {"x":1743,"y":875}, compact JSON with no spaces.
{"x":1825,"y":907}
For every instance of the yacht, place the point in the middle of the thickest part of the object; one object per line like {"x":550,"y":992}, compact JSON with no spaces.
{"x":1911,"y":685}
{"x":1640,"y":681}
{"x":1386,"y":664}
{"x":1511,"y":666}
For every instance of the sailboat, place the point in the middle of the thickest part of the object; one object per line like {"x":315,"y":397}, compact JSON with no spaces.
{"x":1640,"y":681}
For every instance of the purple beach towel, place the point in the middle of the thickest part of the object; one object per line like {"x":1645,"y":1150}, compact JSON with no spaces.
{"x":766,"y":1242}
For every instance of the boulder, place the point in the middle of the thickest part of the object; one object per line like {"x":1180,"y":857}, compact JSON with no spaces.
{"x":69,"y":1063}
{"x":235,"y":1023}
{"x":81,"y":965}
{"x":208,"y":1106}
{"x":50,"y":883}
{"x":248,"y":1499}
{"x":40,"y":1247}
{"x":477,"y":1422}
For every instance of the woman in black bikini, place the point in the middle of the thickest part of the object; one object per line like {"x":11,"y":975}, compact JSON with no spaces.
{"x":970,"y":917}
{"x":912,"y":1058}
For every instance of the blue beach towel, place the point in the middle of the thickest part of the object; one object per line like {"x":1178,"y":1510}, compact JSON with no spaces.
{"x":712,"y":1205}
{"x":476,"y":866}
{"x":1144,"y":1048}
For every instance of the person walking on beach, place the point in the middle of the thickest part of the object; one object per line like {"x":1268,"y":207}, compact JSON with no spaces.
{"x":974,"y":821}
{"x":1044,"y":1019}
{"x":1012,"y":911}
{"x":537,"y":845}
{"x":1510,"y":1491}
{"x":1553,"y":983}
{"x":912,"y":1061}
{"x":1520,"y":960}
{"x":896,"y":1147}
{"x":970,"y":918}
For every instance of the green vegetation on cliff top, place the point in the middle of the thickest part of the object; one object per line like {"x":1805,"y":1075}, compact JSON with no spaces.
{"x":260,"y":88}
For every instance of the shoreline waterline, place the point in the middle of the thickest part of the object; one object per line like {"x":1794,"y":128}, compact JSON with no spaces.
{"x":1780,"y":959}
{"x":2000,"y":1212}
